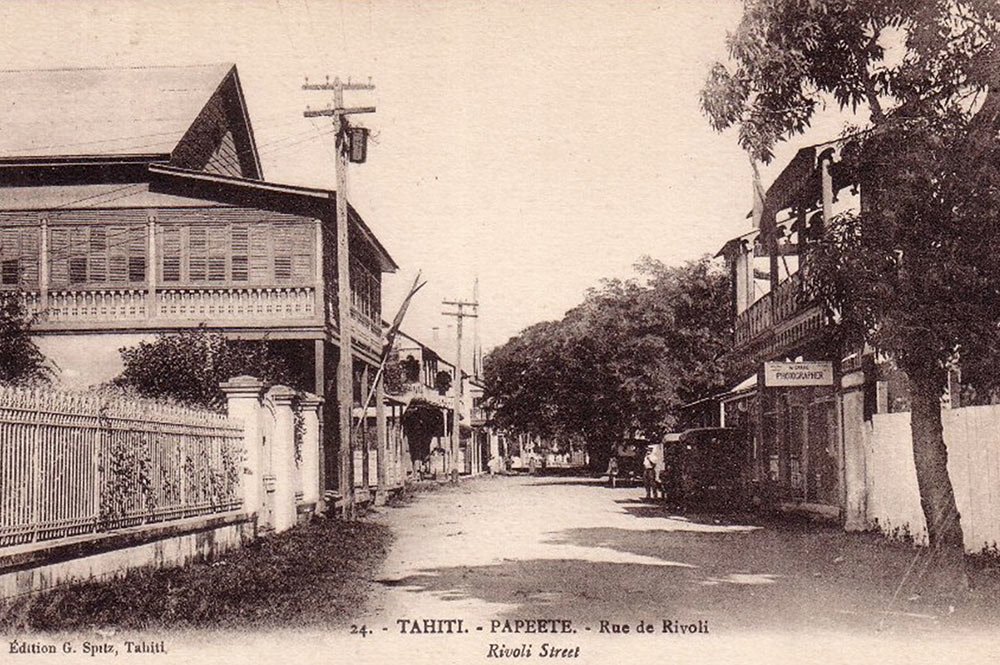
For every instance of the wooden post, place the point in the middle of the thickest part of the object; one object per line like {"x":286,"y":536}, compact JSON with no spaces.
{"x":382,"y":440}
{"x":150,"y":267}
{"x":459,"y":314}
{"x":365,"y":462}
{"x":43,"y":266}
{"x":345,"y":373}
{"x":456,"y":441}
{"x":827,"y":183}
{"x":319,"y":388}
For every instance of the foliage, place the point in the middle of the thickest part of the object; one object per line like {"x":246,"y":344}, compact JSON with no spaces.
{"x":626,"y":358}
{"x":312,"y":575}
{"x":125,"y":474}
{"x":399,"y":372}
{"x":422,"y":421}
{"x":442,"y":382}
{"x":914,"y":272}
{"x":21,"y":363}
{"x":189,"y":366}
{"x":411,"y":369}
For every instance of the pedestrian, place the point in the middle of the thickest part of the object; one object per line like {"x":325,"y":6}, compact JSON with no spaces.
{"x":649,"y":473}
{"x":613,"y":471}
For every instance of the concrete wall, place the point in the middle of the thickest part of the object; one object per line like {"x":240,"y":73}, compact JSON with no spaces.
{"x":30,"y":569}
{"x":972,"y":435}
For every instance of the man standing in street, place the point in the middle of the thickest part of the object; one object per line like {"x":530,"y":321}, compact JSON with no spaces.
{"x":649,"y":473}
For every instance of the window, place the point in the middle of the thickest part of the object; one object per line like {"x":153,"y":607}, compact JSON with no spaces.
{"x":282,"y":266}
{"x":172,"y":254}
{"x":217,"y":268}
{"x":10,"y":272}
{"x":137,"y":268}
{"x":98,"y":254}
{"x":241,"y":252}
{"x":198,"y":261}
{"x":77,"y":270}
{"x":207,"y":246}
{"x":137,"y":254}
{"x":19,"y":255}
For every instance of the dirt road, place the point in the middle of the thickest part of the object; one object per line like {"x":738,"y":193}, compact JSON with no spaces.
{"x":618,"y":578}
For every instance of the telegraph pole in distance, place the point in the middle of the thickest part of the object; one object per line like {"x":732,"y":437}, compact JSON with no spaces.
{"x":459,"y":313}
{"x":345,"y":368}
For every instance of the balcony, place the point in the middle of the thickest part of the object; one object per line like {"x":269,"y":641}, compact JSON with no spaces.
{"x":777,"y":322}
{"x":125,"y":308}
{"x":365,"y":332}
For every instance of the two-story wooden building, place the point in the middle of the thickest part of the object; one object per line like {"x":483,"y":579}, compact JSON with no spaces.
{"x":132,"y":202}
{"x":790,"y":389}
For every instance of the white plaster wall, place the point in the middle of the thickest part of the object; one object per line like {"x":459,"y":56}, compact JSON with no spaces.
{"x":172,"y":551}
{"x":972,"y":435}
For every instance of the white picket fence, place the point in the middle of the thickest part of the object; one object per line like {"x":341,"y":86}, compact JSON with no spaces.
{"x":79,"y":463}
{"x":972,"y":435}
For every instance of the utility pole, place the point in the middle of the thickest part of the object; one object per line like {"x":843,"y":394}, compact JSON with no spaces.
{"x":477,"y":351}
{"x":345,"y":369}
{"x":459,"y":313}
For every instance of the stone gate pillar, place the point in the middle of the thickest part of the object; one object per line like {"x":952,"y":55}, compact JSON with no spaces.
{"x":243,"y":397}
{"x":310,"y":405}
{"x":282,"y":399}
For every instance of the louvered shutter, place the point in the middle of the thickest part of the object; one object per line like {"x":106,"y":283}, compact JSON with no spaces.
{"x":171,"y":254}
{"x":117,"y":254}
{"x":197,"y":253}
{"x":283,"y":252}
{"x":59,"y":241}
{"x":137,"y":254}
{"x":240,"y":252}
{"x":260,"y":255}
{"x":97,"y":253}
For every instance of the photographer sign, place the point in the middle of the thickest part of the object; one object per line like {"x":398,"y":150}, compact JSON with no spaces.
{"x":798,"y":374}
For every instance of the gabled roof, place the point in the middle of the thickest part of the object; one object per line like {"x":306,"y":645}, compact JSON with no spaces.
{"x":193,"y":116}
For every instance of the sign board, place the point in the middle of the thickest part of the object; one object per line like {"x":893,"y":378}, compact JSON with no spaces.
{"x":358,"y":144}
{"x":809,"y":373}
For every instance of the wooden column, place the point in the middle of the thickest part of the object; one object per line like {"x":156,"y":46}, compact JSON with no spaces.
{"x":382,"y":438}
{"x":319,"y":388}
{"x":365,"y":465}
{"x":43,"y":266}
{"x":827,"y":185}
{"x":151,"y":267}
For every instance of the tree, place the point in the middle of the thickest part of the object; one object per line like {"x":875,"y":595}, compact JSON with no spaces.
{"x":623,"y":360}
{"x":442,"y":382}
{"x":189,"y":366}
{"x":21,"y":363}
{"x":914,"y":272}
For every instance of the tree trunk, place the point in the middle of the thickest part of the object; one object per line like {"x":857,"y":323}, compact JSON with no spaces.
{"x":930,"y":456}
{"x":943,"y":574}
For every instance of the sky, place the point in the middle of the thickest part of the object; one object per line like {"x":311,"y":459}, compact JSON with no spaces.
{"x":539,"y":146}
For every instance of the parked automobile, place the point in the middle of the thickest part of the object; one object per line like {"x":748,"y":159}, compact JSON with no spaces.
{"x":628,"y":455}
{"x":707,"y":467}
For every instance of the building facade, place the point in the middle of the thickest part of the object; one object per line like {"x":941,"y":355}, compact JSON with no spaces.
{"x":133,"y":203}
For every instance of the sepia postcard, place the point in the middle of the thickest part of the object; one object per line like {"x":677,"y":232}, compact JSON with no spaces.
{"x":513,"y":331}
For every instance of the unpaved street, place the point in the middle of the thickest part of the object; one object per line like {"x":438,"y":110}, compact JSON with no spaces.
{"x":571,"y":549}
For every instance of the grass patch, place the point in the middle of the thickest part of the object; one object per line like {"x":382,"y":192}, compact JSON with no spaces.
{"x":316,"y":574}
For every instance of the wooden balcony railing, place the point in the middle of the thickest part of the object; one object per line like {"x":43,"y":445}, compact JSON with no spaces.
{"x":365,"y":331}
{"x":281,"y":303}
{"x":771,"y":310}
{"x":121,"y":307}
